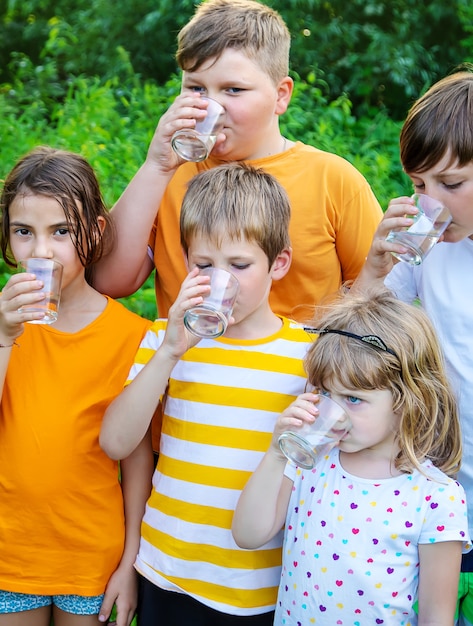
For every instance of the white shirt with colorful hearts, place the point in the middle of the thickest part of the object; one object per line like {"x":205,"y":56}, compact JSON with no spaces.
{"x":350,"y":554}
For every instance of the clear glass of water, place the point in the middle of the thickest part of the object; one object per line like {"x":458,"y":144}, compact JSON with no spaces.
{"x":195,"y":144}
{"x":50,"y":273}
{"x":210,"y":319}
{"x":306,"y":444}
{"x":430,"y":223}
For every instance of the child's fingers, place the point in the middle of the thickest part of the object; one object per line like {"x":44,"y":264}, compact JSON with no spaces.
{"x":190,"y":111}
{"x":405,"y":201}
{"x":105,"y":609}
{"x":183,"y":113}
{"x":299,"y":415}
{"x":193,"y":289}
{"x":19,"y":303}
{"x":303,"y":409}
{"x":292,"y":420}
{"x":192,"y":104}
{"x":396,"y":217}
{"x":195,"y":284}
{"x":21,"y":282}
{"x":20,"y":291}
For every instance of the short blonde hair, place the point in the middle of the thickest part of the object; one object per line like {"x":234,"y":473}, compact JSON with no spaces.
{"x":239,"y":201}
{"x":400,"y":352}
{"x":246,"y":25}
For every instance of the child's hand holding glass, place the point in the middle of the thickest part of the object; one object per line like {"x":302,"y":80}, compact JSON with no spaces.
{"x":305,"y":443}
{"x":21,"y":290}
{"x":380,"y":260}
{"x":302,"y":412}
{"x":193,"y":290}
{"x":185,"y":112}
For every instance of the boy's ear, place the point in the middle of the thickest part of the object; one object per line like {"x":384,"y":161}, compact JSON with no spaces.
{"x":281,"y":264}
{"x":284,"y":89}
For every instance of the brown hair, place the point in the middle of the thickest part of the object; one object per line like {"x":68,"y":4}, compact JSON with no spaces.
{"x":407,"y":361}
{"x":256,"y":29}
{"x":237,"y":200}
{"x":439,"y":122}
{"x":68,"y":178}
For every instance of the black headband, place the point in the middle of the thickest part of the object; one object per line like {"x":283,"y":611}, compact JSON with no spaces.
{"x":372,"y":340}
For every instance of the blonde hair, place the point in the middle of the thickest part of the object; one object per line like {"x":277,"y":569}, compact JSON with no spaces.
{"x":407,"y":361}
{"x":440,"y":122}
{"x":238,"y":201}
{"x":246,"y":25}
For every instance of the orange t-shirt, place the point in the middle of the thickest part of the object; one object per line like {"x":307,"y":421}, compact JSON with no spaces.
{"x":334,"y":215}
{"x":61,"y":505}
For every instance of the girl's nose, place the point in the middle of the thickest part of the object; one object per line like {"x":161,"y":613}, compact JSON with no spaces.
{"x":42,"y":250}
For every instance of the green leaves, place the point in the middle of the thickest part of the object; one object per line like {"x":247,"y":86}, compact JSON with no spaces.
{"x":381,"y":53}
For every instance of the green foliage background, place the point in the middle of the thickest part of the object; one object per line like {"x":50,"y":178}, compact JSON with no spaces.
{"x":96,"y":77}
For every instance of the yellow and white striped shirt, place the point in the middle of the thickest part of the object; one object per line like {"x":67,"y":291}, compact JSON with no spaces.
{"x":221,"y":405}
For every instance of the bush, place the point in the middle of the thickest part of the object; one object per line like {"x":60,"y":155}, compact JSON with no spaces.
{"x":381,"y":53}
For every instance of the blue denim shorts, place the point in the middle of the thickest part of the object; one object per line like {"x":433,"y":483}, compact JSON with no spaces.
{"x":11,"y":602}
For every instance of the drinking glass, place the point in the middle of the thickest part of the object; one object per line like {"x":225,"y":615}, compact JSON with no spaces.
{"x":430,"y":223}
{"x":304,"y":445}
{"x":195,"y":144}
{"x":50,"y":273}
{"x":210,"y":319}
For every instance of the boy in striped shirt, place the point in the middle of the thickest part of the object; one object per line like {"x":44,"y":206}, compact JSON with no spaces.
{"x":220,"y":400}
